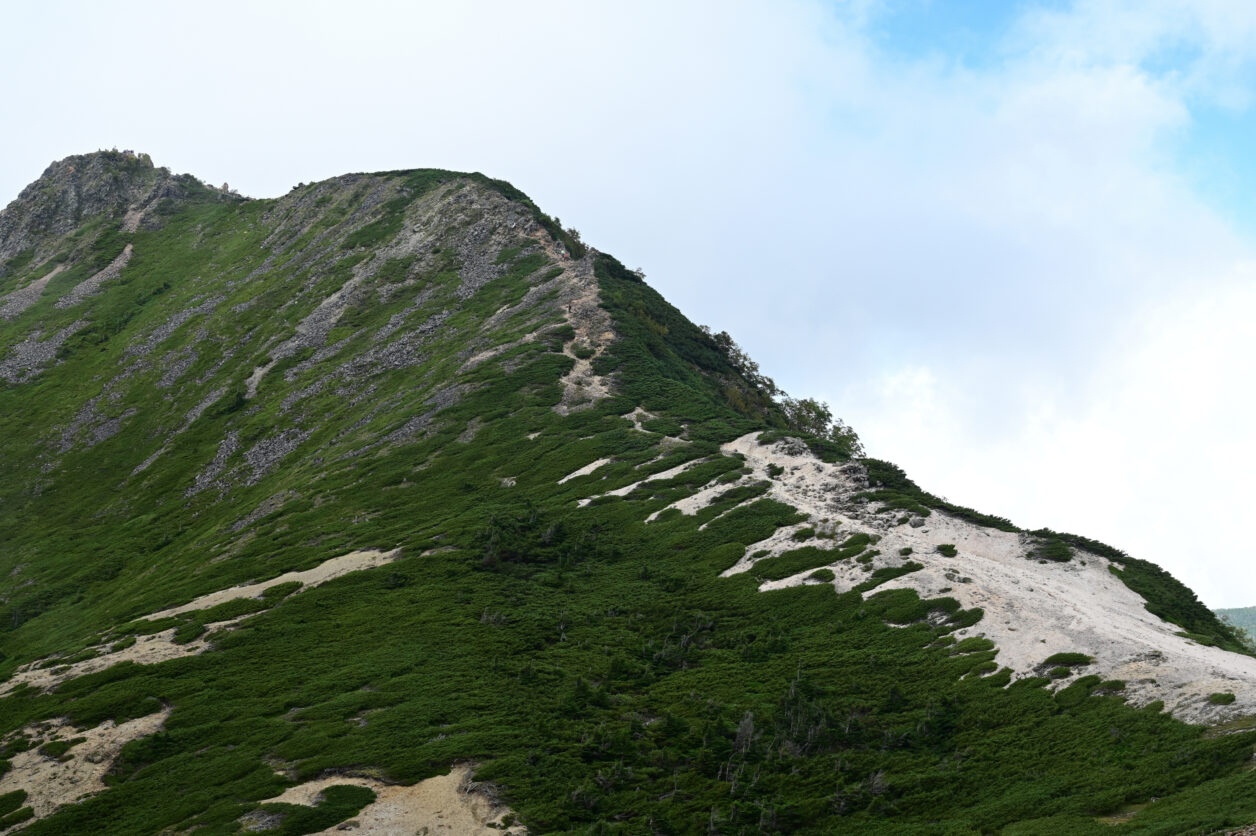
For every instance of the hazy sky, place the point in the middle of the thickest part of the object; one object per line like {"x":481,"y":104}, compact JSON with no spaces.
{"x":1012,"y":243}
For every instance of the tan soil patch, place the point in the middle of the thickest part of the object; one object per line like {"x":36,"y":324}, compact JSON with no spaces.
{"x":584,"y":471}
{"x":1032,"y":609}
{"x":592,"y":324}
{"x":161,"y":647}
{"x":147,"y":650}
{"x":449,"y":804}
{"x":637,"y":416}
{"x":670,"y":473}
{"x":50,"y":783}
{"x":320,"y":574}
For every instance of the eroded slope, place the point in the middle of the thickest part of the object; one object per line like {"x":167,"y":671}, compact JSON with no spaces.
{"x":550,"y":479}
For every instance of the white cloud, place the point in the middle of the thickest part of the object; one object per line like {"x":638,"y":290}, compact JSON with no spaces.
{"x":1151,"y":451}
{"x":964,"y":258}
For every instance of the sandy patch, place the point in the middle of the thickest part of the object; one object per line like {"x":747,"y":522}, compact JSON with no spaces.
{"x":22,"y":298}
{"x":51,"y":783}
{"x":637,"y":416}
{"x":452,"y":804}
{"x":161,"y":647}
{"x":147,"y":650}
{"x":581,"y":386}
{"x":670,"y":473}
{"x":91,"y":286}
{"x":584,"y":471}
{"x":706,"y":495}
{"x":320,"y":574}
{"x":1032,"y":609}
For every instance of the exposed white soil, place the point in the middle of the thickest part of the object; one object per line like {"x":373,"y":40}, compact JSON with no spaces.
{"x":706,"y":495}
{"x":584,"y":471}
{"x":89,"y":287}
{"x":592,"y":324}
{"x":51,"y":783}
{"x":320,"y":574}
{"x":452,"y":804}
{"x":147,"y":650}
{"x":637,"y":416}
{"x":161,"y":647}
{"x":670,"y":473}
{"x":1032,"y":609}
{"x":814,"y":487}
{"x":19,"y":300}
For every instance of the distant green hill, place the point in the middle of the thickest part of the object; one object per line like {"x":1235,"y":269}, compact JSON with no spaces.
{"x":1241,"y":617}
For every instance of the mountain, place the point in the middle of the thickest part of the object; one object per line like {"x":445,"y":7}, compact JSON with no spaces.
{"x":389,"y":504}
{"x":1244,"y":618}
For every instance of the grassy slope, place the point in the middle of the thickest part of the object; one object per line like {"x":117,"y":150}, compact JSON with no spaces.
{"x":609,"y":680}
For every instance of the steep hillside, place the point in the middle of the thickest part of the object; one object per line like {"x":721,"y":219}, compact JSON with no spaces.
{"x":389,"y":502}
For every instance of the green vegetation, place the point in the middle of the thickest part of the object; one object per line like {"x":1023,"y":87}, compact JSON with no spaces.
{"x":596,"y":665}
{"x":894,"y":491}
{"x":17,"y":817}
{"x":11,"y":801}
{"x":1171,"y":600}
{"x":1223,"y":698}
{"x":57,"y":748}
{"x":338,"y":803}
{"x":1242,"y":619}
{"x":1054,"y":549}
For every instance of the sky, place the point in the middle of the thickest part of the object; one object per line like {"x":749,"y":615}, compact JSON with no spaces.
{"x":1013,"y":244}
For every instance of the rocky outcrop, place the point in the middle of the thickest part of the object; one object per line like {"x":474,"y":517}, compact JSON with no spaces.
{"x":113,"y":184}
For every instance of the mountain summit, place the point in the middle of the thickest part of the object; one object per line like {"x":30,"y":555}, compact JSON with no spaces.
{"x":389,"y":504}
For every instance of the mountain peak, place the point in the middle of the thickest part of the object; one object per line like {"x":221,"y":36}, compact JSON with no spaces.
{"x":74,"y":190}
{"x":392,"y":480}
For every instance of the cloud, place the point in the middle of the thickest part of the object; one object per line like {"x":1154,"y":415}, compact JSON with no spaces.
{"x":1150,"y":452}
{"x":1200,"y":48}
{"x":975,"y":261}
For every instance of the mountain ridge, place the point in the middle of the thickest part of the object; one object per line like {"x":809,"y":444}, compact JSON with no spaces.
{"x":467,"y":490}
